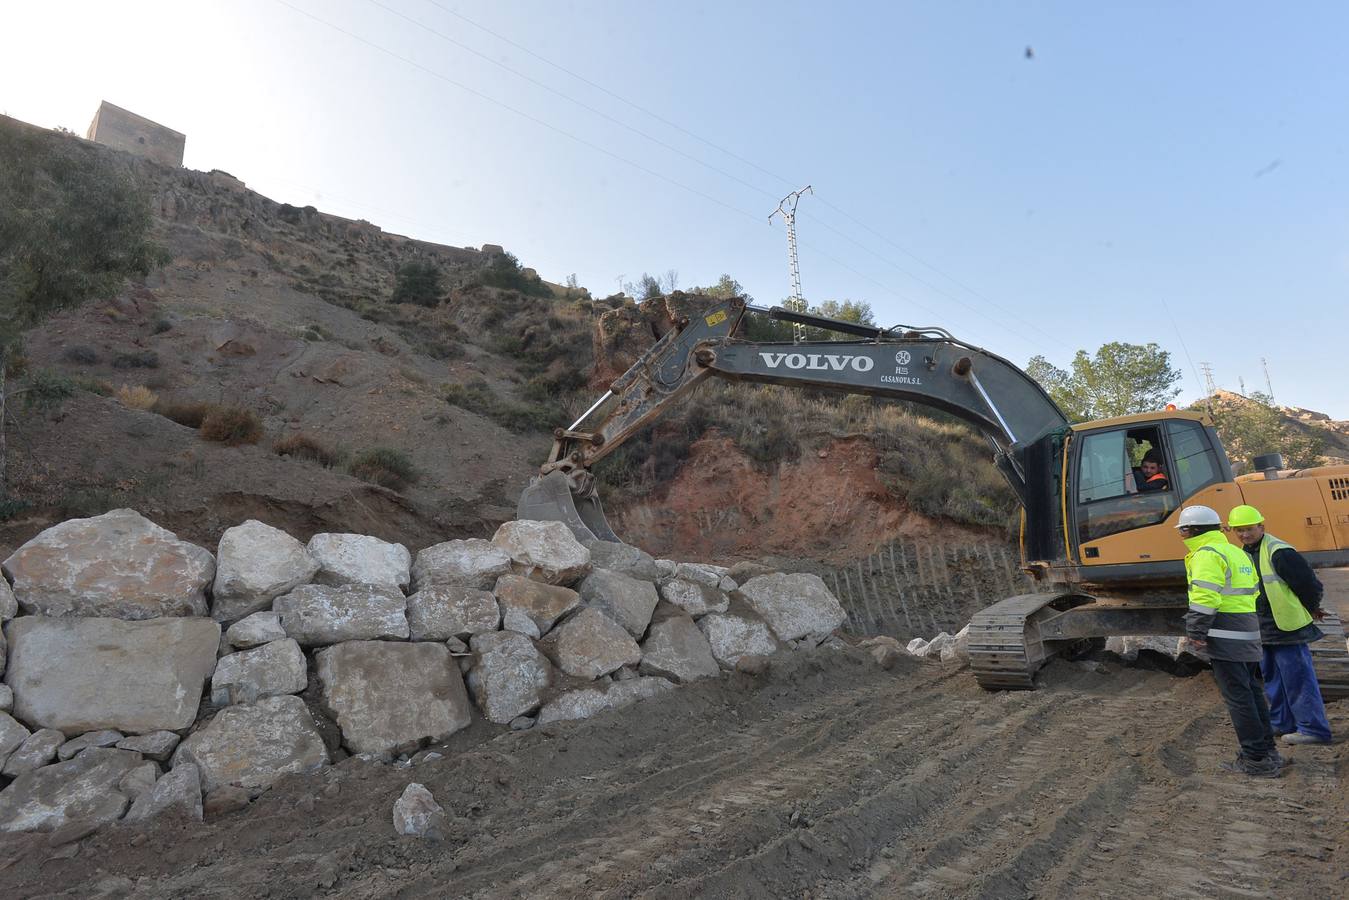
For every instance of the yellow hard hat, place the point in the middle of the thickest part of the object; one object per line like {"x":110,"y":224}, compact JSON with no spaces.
{"x":1242,"y":516}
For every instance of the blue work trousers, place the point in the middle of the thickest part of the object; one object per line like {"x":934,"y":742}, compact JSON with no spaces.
{"x":1294,"y":696}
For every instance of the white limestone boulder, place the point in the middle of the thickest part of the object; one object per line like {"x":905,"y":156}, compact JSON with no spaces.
{"x":360,"y":559}
{"x":439,"y":613}
{"x":255,"y":630}
{"x":586,"y":702}
{"x":934,"y":647}
{"x":794,"y":605}
{"x":735,"y":634}
{"x":85,"y":674}
{"x":389,"y":698}
{"x":316,"y":614}
{"x":117,"y":565}
{"x":267,"y":671}
{"x":255,"y":564}
{"x":1129,"y":646}
{"x":958,"y":650}
{"x":178,"y":792}
{"x":470,"y":563}
{"x":675,"y":649}
{"x":626,"y":600}
{"x":417,"y":814}
{"x":544,"y":551}
{"x":251,"y":746}
{"x":83,"y":789}
{"x":694,"y":597}
{"x":508,"y":677}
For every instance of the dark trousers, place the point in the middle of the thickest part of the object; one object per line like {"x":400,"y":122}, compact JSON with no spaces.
{"x":1244,"y":693}
{"x":1294,"y":696}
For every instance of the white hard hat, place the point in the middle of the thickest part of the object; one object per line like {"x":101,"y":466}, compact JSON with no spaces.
{"x":1198,"y":515}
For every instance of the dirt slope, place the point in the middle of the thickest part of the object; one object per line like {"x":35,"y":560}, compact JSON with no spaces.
{"x":827,"y":778}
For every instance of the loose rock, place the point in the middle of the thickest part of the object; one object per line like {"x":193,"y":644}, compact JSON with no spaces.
{"x":9,"y":605}
{"x":917,"y":646}
{"x":360,"y":559}
{"x":138,"y":780}
{"x":38,"y":749}
{"x":105,"y":738}
{"x":623,"y":558}
{"x":224,"y":800}
{"x":472,"y":563}
{"x":12,"y":735}
{"x":269,"y":670}
{"x":695,"y":598}
{"x":586,"y":702}
{"x":509,"y":677}
{"x":701,"y":573}
{"x":542,"y":604}
{"x":416,"y":813}
{"x":255,"y":564}
{"x":82,"y":789}
{"x":251,"y":746}
{"x":544,"y":551}
{"x":794,"y":606}
{"x":591,"y":644}
{"x":676,"y":649}
{"x":451,"y":611}
{"x":935,"y":646}
{"x":753,"y":664}
{"x":179,"y":791}
{"x":958,"y":649}
{"x":316,"y":614}
{"x":119,"y":565}
{"x":156,"y":745}
{"x":83,"y":675}
{"x":522,"y":723}
{"x":255,"y":630}
{"x":732,"y":635}
{"x":1129,"y":646}
{"x":6,"y":692}
{"x":627,"y":601}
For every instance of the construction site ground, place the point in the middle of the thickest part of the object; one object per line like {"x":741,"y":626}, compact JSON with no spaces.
{"x":825,"y":777}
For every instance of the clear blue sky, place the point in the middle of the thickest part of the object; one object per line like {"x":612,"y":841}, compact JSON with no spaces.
{"x":1153,"y":161}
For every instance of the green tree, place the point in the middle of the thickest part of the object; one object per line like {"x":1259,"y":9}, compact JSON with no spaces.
{"x":761,"y":328}
{"x":1119,"y":380}
{"x":74,"y":226}
{"x":418,"y":281}
{"x":1250,"y":426}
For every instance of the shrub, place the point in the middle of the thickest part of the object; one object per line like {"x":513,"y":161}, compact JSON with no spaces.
{"x":299,"y":445}
{"x":81,"y":354}
{"x":162,"y":324}
{"x":136,"y":397}
{"x":419,"y":282}
{"x":92,"y":385}
{"x":231,"y":426}
{"x":383,"y":466}
{"x":137,"y":359}
{"x":185,"y":412}
{"x":478,"y":397}
{"x":47,"y":389}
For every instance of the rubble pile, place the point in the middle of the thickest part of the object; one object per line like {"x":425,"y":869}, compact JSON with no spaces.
{"x":146,"y":676}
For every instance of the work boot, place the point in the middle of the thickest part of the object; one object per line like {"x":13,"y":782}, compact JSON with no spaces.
{"x":1300,"y":737}
{"x":1280,"y":760}
{"x":1263,"y":768}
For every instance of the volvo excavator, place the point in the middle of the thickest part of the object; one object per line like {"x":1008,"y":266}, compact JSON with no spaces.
{"x":1097,"y":538}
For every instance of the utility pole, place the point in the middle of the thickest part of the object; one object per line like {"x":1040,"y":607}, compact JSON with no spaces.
{"x":1242,"y":383}
{"x":1208,"y":378}
{"x":787,"y":209}
{"x":618,"y":280}
{"x":1268,"y":387}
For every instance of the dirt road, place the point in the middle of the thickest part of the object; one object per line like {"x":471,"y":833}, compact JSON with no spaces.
{"x":828,"y":777}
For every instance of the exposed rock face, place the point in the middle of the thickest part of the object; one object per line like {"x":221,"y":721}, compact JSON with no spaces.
{"x":38,"y":749}
{"x":509,"y":677}
{"x":695,"y":598}
{"x":255,"y":630}
{"x":472,"y":563}
{"x":316,"y":614}
{"x":252,"y":746}
{"x":591,"y":644}
{"x":104,"y":738}
{"x":544,"y":551}
{"x":542,"y":604}
{"x":794,"y":605}
{"x":627,"y":601}
{"x":178,"y":792}
{"x":156,"y":745}
{"x":246,"y":677}
{"x":417,"y":813}
{"x":257,"y":563}
{"x":360,"y":559}
{"x":390,"y":697}
{"x":676,"y":649}
{"x":586,"y":702}
{"x":81,"y":675}
{"x":451,"y":611}
{"x":623,"y":558}
{"x":83,"y":789}
{"x":735,"y":634}
{"x":120,"y":565}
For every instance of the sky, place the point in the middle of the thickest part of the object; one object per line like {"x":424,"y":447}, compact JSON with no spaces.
{"x":1171,"y":172}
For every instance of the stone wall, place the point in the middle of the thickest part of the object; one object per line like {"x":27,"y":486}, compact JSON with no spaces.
{"x":124,"y":130}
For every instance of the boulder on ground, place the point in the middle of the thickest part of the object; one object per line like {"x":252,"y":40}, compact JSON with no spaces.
{"x":360,"y":559}
{"x":544,"y":551}
{"x":317,"y":614}
{"x":1129,"y":646}
{"x":83,"y":789}
{"x":251,"y":746}
{"x":627,"y":601}
{"x":417,"y":814}
{"x":744,"y":571}
{"x":591,"y":644}
{"x":82,"y":675}
{"x":249,"y":675}
{"x":624,"y":558}
{"x":884,"y":649}
{"x":106,"y":737}
{"x":389,"y":698}
{"x":794,"y":606}
{"x":12,"y":735}
{"x":935,"y":646}
{"x":38,"y":749}
{"x":542,"y":604}
{"x":439,"y":613}
{"x":916,"y":646}
{"x":119,"y":565}
{"x":9,"y":604}
{"x":255,"y":630}
{"x":674,"y":648}
{"x":178,"y":792}
{"x":255,"y":564}
{"x":6,"y":692}
{"x":737,"y":633}
{"x":509,"y":676}
{"x":701,"y":573}
{"x":156,"y":745}
{"x":472,"y":563}
{"x":694,"y":597}
{"x":586,"y":702}
{"x":665,"y":569}
{"x":958,"y":650}
{"x":138,"y":780}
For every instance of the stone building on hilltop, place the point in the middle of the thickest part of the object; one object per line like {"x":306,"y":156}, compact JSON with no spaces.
{"x":124,"y":130}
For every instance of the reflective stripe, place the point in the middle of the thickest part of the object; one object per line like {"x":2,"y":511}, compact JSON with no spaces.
{"x":1234,"y":635}
{"x":1227,"y":591}
{"x":1271,"y":579}
{"x":1201,"y":608}
{"x":1210,"y":585}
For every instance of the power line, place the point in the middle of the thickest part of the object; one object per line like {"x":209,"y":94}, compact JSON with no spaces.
{"x":787,"y":209}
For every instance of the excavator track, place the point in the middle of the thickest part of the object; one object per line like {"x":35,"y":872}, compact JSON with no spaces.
{"x":1330,"y":658}
{"x":1005,"y":645}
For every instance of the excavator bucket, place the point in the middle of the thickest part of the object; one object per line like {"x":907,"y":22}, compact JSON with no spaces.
{"x":551,"y":499}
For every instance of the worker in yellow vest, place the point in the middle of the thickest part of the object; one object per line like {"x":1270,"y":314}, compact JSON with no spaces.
{"x":1289,"y":606}
{"x":1222,"y":626}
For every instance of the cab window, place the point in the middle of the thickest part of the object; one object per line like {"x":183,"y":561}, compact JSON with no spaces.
{"x":1110,"y":498}
{"x":1196,"y":463}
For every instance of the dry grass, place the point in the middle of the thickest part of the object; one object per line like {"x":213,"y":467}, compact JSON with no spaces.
{"x":231,"y":426}
{"x":299,"y":445}
{"x":136,"y":397}
{"x":383,"y":466}
{"x":185,"y":412}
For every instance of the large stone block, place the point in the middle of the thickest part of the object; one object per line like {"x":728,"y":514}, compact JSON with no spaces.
{"x":509,"y":676}
{"x":360,"y":559}
{"x":624,"y":558}
{"x":83,"y":675}
{"x":591,"y":644}
{"x":544,"y":551}
{"x":794,"y":605}
{"x":627,"y":601}
{"x":83,"y":789}
{"x":389,"y":698}
{"x":736,"y":634}
{"x":177,"y":792}
{"x":676,"y":649}
{"x":248,"y":676}
{"x":37,"y":750}
{"x":542,"y":604}
{"x":9,"y":604}
{"x":701,"y":573}
{"x":317,"y":614}
{"x":252,"y":746}
{"x":257,"y":563}
{"x":586,"y":702}
{"x":255,"y":630}
{"x":119,"y":565}
{"x":439,"y":613}
{"x":694,"y":597}
{"x":12,"y":735}
{"x":472,"y":563}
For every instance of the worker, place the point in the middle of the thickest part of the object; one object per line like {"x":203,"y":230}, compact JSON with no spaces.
{"x":1289,"y":606}
{"x":1151,"y":476}
{"x":1222,"y":624}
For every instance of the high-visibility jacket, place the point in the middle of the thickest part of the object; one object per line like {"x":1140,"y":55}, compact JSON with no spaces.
{"x":1288,"y":611}
{"x":1223,"y":588}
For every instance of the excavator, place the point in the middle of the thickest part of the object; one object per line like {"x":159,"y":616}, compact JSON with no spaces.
{"x":1099,"y":542}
